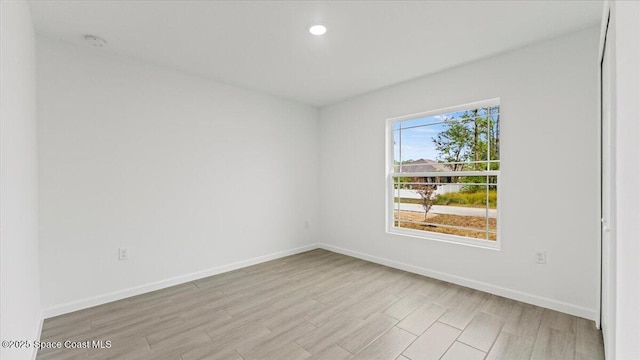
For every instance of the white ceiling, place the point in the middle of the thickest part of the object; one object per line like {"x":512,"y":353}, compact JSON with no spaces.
{"x":265,"y":45}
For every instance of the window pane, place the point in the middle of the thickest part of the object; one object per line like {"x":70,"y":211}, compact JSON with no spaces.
{"x":448,"y":204}
{"x":495,"y":137}
{"x":466,"y":142}
{"x":416,"y":122}
{"x":396,"y":151}
{"x":417,"y":143}
{"x":457,"y":141}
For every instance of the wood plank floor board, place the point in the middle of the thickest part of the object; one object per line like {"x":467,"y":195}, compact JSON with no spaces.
{"x":247,"y":304}
{"x":328,"y":335}
{"x":255,"y":281}
{"x":241,"y":336}
{"x":282,"y":319}
{"x":422,"y":318}
{"x":433,"y":343}
{"x":524,"y":321}
{"x":174,"y":347}
{"x":402,"y":283}
{"x":460,"y":351}
{"x":218,"y":303}
{"x":220,"y":279}
{"x":320,"y":305}
{"x":82,"y":315}
{"x":372,"y":305}
{"x":256,"y":311}
{"x":366,"y":333}
{"x":280,"y":288}
{"x":182,"y":331}
{"x":202,"y":316}
{"x":388,"y":346}
{"x":120,"y":337}
{"x":333,"y":277}
{"x":130,"y":330}
{"x":452,"y":295}
{"x":128,"y":318}
{"x":405,"y":306}
{"x":253,"y":315}
{"x":211,"y":352}
{"x":288,"y":351}
{"x":427,"y":287}
{"x":374,"y":286}
{"x":138,"y":348}
{"x":461,"y":314}
{"x":559,"y":321}
{"x":335,"y":352}
{"x":553,"y":344}
{"x":587,"y":334}
{"x":150,"y":298}
{"x":499,"y":306}
{"x":335,"y":295}
{"x":301,"y":294}
{"x":482,"y":331}
{"x":269,"y":345}
{"x":66,"y":330}
{"x":253,"y":289}
{"x":229,"y":327}
{"x":321,"y":314}
{"x":210,"y":282}
{"x":63,"y":354}
{"x":588,"y":340}
{"x":512,"y":347}
{"x":590,"y":356}
{"x":201,"y":303}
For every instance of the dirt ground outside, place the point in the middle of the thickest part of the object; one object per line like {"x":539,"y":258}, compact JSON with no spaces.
{"x":433,"y":220}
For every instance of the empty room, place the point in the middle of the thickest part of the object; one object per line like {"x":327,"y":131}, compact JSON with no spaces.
{"x":289,"y":180}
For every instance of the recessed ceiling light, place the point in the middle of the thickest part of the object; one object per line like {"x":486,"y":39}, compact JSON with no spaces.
{"x":318,"y":30}
{"x":95,"y":40}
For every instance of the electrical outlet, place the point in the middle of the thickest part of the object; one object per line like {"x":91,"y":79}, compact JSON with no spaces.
{"x":541,"y":257}
{"x":123,"y":254}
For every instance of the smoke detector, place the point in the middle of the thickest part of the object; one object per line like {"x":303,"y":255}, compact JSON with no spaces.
{"x":95,"y":40}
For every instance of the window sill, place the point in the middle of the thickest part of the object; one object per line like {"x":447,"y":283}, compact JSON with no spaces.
{"x":451,"y":239}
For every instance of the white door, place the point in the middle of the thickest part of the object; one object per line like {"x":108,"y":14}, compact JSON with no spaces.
{"x":608,"y":293}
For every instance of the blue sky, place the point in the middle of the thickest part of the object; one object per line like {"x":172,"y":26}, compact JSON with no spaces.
{"x":417,"y":142}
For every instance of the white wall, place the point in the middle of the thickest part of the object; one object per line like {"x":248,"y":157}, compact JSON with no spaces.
{"x":549,"y":134}
{"x":190,"y":175}
{"x":20,"y":295}
{"x":626,"y":20}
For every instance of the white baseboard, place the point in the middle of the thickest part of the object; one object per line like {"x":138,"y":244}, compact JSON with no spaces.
{"x":564,"y":307}
{"x":478,"y":285}
{"x":137,"y":290}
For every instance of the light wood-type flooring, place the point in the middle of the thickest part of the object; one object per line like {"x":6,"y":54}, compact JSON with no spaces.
{"x":322,"y":305}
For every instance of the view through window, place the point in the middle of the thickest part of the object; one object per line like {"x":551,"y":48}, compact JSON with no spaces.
{"x":444,"y":177}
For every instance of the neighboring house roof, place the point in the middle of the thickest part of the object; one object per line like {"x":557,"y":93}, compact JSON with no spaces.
{"x":424,"y":165}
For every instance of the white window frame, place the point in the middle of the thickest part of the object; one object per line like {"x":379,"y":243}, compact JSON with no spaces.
{"x":389,"y":166}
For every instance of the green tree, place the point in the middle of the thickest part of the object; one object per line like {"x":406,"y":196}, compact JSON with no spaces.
{"x":474,"y":138}
{"x":453,"y":143}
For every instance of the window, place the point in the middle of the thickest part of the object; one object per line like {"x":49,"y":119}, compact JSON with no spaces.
{"x":443,"y":170}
